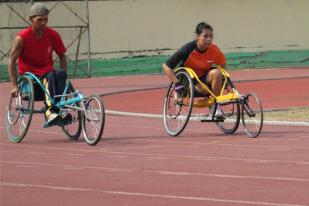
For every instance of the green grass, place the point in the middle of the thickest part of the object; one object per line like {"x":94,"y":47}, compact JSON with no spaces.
{"x":293,"y":114}
{"x":153,"y":64}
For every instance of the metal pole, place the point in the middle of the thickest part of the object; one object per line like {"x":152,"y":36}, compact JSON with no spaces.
{"x":77,"y":50}
{"x":89,"y":52}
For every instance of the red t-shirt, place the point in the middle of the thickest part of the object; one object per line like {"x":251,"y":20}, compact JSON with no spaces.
{"x":36,"y":55}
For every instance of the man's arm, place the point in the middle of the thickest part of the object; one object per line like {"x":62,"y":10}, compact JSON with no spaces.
{"x":63,"y":62}
{"x":15,"y":52}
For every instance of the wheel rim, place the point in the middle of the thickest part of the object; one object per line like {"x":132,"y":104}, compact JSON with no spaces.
{"x":20,"y":111}
{"x":73,"y":130}
{"x":231,"y":113}
{"x":93,"y":120}
{"x":252,"y":115}
{"x":177,"y":109}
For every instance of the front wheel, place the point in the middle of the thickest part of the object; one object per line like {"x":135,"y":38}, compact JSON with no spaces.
{"x":252,"y":114}
{"x":74,"y":129}
{"x":231,"y":112}
{"x":178,"y":107}
{"x":93,"y":119}
{"x":20,"y":111}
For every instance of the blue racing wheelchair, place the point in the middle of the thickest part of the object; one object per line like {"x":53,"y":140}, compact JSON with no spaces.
{"x":88,"y":113}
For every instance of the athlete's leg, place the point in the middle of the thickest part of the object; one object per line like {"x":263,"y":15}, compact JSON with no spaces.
{"x":54,"y":83}
{"x":51,"y":113}
{"x":61,"y":78}
{"x":214,"y":77}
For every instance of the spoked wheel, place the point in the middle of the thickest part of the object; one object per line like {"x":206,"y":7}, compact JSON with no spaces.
{"x":74,"y":129}
{"x":178,"y":107}
{"x":93,"y":119}
{"x":20,"y":111}
{"x":231,"y":112}
{"x":252,"y":114}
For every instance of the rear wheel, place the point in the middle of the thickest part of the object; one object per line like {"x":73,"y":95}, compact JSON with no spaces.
{"x":178,"y":107}
{"x":20,"y":111}
{"x":74,"y":129}
{"x":93,"y":120}
{"x":252,"y":114}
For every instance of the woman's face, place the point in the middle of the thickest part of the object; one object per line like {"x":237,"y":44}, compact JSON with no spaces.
{"x":205,"y":38}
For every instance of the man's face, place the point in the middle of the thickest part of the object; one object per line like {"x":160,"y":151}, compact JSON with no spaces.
{"x":39,"y":22}
{"x":205,"y":38}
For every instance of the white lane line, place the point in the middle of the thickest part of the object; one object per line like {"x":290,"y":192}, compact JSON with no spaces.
{"x":73,"y":168}
{"x":26,"y":166}
{"x":217,"y":143}
{"x":227,"y":176}
{"x":116,"y":156}
{"x":74,"y":154}
{"x":160,"y":116}
{"x":161,"y":172}
{"x":213,"y":143}
{"x":65,"y":166}
{"x":37,"y":153}
{"x":158,"y":158}
{"x":138,"y":194}
{"x":212,"y":157}
{"x":188,"y":142}
{"x":168,"y":155}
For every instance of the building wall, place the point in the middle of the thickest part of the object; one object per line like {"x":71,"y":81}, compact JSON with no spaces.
{"x":239,"y":25}
{"x":147,"y":25}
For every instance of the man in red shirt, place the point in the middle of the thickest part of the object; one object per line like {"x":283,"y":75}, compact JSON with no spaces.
{"x":33,"y":48}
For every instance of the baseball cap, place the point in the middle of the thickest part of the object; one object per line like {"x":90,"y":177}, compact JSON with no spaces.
{"x":38,"y":9}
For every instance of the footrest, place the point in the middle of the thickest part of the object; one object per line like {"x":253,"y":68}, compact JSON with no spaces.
{"x":58,"y":123}
{"x":212,"y":120}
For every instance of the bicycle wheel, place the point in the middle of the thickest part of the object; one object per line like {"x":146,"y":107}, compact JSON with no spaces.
{"x":20,"y":111}
{"x":252,"y":114}
{"x":231,"y":112}
{"x":93,"y":119}
{"x":177,"y":108}
{"x":74,"y":129}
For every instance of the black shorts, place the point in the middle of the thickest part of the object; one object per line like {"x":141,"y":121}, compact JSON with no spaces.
{"x":204,"y":80}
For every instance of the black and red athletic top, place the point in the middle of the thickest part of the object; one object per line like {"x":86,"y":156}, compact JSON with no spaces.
{"x":200,"y":61}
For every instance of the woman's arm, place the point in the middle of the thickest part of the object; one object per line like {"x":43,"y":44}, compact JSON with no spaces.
{"x":170,"y":73}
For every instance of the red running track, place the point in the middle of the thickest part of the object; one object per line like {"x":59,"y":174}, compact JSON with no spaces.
{"x":137,"y":164}
{"x":274,"y":94}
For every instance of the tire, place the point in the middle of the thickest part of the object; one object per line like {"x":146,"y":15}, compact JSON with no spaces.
{"x":171,"y":103}
{"x":20,"y":110}
{"x":99,"y":119}
{"x":252,"y":114}
{"x":73,"y":130}
{"x":231,"y":122}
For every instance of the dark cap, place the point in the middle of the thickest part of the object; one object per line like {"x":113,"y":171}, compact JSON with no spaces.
{"x":38,"y":9}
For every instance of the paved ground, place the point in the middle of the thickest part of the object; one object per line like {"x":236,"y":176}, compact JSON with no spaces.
{"x":136,"y":163}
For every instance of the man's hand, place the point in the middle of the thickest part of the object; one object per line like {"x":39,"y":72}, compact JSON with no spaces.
{"x":179,"y":88}
{"x":15,"y":91}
